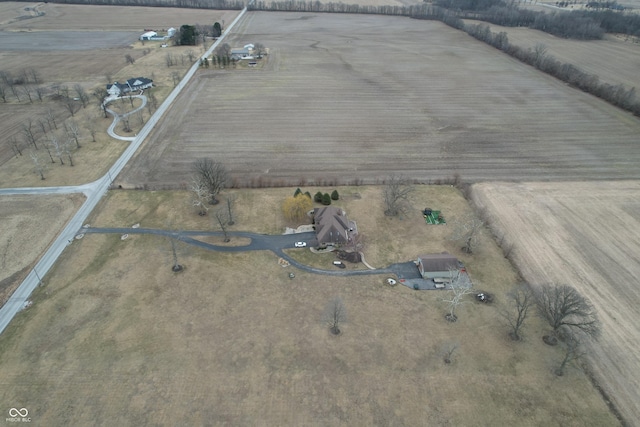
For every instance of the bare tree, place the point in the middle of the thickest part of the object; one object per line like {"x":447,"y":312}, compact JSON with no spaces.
{"x":221,"y":217}
{"x":30,"y":133}
{"x":258,"y":49}
{"x":71,"y":105}
{"x":140,"y":117}
{"x":57,"y":148}
{"x":191,"y":55}
{"x":48,"y":150}
{"x":540,"y":54}
{"x":459,"y":287}
{"x":15,"y":146}
{"x":73,"y":131}
{"x":176,"y":267}
{"x":520,"y":300}
{"x":567,"y":311}
{"x":33,"y":73}
{"x":93,"y":127}
{"x":38,"y":165}
{"x":213,"y":174}
{"x":169,"y":60}
{"x":101,"y":94}
{"x":467,"y":230}
{"x":129,"y":59}
{"x":51,"y":119}
{"x":334,"y":315}
{"x":175,"y":76}
{"x":231,"y":201}
{"x":26,"y":89}
{"x":152,"y":102}
{"x":81,"y":95}
{"x":40,"y":92}
{"x":448,"y":350}
{"x":201,"y":196}
{"x":67,"y":148}
{"x":573,"y":351}
{"x":224,"y":50}
{"x":44,"y":126}
{"x":396,"y":194}
{"x":3,"y":92}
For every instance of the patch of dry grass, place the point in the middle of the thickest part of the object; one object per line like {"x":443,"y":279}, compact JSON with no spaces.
{"x":29,"y":224}
{"x":233,"y":340}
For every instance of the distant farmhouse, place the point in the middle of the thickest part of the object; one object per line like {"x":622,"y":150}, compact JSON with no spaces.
{"x":243,"y":53}
{"x":152,"y":35}
{"x":132,"y":85}
{"x":332,"y":226}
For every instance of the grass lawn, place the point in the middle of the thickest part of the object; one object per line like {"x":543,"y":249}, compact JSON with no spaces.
{"x":114,"y":337}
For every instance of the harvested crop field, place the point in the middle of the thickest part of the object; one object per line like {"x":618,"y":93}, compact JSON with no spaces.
{"x":341,"y":100}
{"x":64,"y":32}
{"x":69,"y":17}
{"x":586,"y":235}
{"x":614,"y":60}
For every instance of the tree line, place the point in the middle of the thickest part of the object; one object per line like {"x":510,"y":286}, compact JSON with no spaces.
{"x":184,"y":4}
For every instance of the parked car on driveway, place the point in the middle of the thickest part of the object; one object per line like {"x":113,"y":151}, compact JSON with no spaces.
{"x":300,"y":244}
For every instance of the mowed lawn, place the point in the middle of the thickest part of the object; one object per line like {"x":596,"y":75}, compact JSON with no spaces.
{"x":114,"y":337}
{"x":345,"y":97}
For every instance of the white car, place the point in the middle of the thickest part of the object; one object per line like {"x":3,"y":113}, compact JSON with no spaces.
{"x":300,"y":244}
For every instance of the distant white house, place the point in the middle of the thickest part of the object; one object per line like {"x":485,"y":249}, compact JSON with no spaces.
{"x":171,"y":32}
{"x":243,"y":53}
{"x":249,"y":46}
{"x":131,"y":85}
{"x":149,"y":35}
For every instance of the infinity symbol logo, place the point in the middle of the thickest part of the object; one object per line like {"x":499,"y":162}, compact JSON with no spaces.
{"x":22,"y":412}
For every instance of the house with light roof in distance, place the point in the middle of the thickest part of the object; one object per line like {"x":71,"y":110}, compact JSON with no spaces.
{"x":132,"y":85}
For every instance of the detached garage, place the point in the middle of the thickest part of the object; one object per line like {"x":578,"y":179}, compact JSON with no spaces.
{"x":433,"y":266}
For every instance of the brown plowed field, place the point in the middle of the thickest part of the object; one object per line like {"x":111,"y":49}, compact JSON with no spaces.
{"x":586,"y":235}
{"x":612,"y":59}
{"x":341,"y":99}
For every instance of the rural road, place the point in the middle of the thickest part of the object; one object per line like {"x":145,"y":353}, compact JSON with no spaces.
{"x":93,"y":191}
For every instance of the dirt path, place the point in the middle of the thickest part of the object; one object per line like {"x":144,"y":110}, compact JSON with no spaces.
{"x":586,"y":235}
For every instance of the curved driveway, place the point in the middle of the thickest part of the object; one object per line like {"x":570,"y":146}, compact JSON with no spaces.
{"x":94,"y":192}
{"x":259,"y":242}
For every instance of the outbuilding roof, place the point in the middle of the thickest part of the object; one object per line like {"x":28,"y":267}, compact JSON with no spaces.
{"x":438,"y":262}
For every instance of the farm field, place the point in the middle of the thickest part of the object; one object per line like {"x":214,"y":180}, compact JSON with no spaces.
{"x":614,"y":60}
{"x":25,"y":233}
{"x":90,"y":52}
{"x":249,"y":346}
{"x":339,"y":100}
{"x":585,"y":234}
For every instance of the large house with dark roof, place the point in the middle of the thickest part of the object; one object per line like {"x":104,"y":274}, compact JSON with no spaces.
{"x":132,"y":85}
{"x":332,"y":226}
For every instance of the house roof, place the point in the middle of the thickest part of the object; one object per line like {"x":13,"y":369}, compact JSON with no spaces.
{"x":139,"y":81}
{"x":331,"y":224}
{"x":133,"y":83}
{"x":438,"y":262}
{"x":240,"y":51}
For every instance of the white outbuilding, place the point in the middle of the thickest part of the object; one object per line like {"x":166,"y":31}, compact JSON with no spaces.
{"x":148,"y":35}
